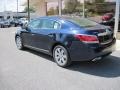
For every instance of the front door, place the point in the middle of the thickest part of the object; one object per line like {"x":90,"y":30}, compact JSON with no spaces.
{"x":30,"y":33}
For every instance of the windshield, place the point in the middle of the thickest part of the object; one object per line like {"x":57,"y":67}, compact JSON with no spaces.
{"x":82,"y":22}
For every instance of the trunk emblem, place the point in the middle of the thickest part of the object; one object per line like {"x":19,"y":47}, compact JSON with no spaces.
{"x":107,"y":32}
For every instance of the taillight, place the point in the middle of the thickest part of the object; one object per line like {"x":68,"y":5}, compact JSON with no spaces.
{"x":87,"y":38}
{"x":105,"y":18}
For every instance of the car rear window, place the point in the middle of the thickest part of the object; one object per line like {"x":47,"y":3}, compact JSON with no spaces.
{"x":82,"y":22}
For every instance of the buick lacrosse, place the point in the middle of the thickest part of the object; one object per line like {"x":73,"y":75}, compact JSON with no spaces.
{"x":67,"y":38}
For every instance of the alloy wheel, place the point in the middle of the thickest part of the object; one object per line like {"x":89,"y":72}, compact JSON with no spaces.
{"x":18,"y":42}
{"x":61,"y":56}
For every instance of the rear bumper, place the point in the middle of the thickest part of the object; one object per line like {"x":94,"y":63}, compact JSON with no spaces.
{"x":84,"y":52}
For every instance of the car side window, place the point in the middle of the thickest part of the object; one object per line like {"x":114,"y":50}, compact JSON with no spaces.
{"x":49,"y":24}
{"x":56,"y":25}
{"x":36,"y":24}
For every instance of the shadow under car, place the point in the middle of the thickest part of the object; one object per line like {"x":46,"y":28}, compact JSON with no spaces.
{"x":108,"y":67}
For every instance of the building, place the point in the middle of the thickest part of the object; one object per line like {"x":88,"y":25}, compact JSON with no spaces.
{"x":41,"y":6}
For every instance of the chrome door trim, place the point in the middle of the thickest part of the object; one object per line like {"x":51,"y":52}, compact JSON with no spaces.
{"x":38,"y":49}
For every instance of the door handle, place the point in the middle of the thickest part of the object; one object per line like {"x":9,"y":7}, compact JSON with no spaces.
{"x":51,"y":35}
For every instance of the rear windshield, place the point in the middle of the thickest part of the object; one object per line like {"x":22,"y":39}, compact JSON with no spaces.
{"x":82,"y":22}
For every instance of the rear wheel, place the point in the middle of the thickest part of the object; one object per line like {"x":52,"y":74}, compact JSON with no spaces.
{"x":19,"y":43}
{"x":61,"y":56}
{"x":3,"y":26}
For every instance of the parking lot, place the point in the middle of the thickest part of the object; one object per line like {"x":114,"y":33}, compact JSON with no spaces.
{"x":31,"y":70}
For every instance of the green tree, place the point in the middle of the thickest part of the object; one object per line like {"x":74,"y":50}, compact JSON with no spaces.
{"x":99,"y":1}
{"x":95,"y":7}
{"x":51,"y":11}
{"x":31,"y":9}
{"x":70,"y":5}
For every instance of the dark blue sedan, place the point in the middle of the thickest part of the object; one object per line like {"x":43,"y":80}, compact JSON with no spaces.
{"x":67,"y":39}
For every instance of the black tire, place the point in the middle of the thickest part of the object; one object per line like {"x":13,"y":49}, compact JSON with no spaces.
{"x":8,"y":26}
{"x":3,"y":26}
{"x":19,"y":43}
{"x":16,"y":25}
{"x":62,"y":58}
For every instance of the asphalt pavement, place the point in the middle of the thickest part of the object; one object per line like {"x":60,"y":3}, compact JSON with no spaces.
{"x":31,"y":70}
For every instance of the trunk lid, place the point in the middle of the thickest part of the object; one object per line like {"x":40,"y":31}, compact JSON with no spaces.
{"x":105,"y":34}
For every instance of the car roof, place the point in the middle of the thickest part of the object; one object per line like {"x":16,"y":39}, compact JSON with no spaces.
{"x":50,"y":17}
{"x":57,"y":17}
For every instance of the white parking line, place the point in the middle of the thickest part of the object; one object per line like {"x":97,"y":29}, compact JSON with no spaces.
{"x":118,"y":45}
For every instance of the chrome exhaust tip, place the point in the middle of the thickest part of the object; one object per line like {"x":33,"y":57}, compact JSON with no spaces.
{"x":97,"y":59}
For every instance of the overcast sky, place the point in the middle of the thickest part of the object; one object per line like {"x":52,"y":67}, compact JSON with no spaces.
{"x":11,"y":5}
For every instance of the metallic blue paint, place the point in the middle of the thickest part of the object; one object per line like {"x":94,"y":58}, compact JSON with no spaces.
{"x":45,"y":40}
